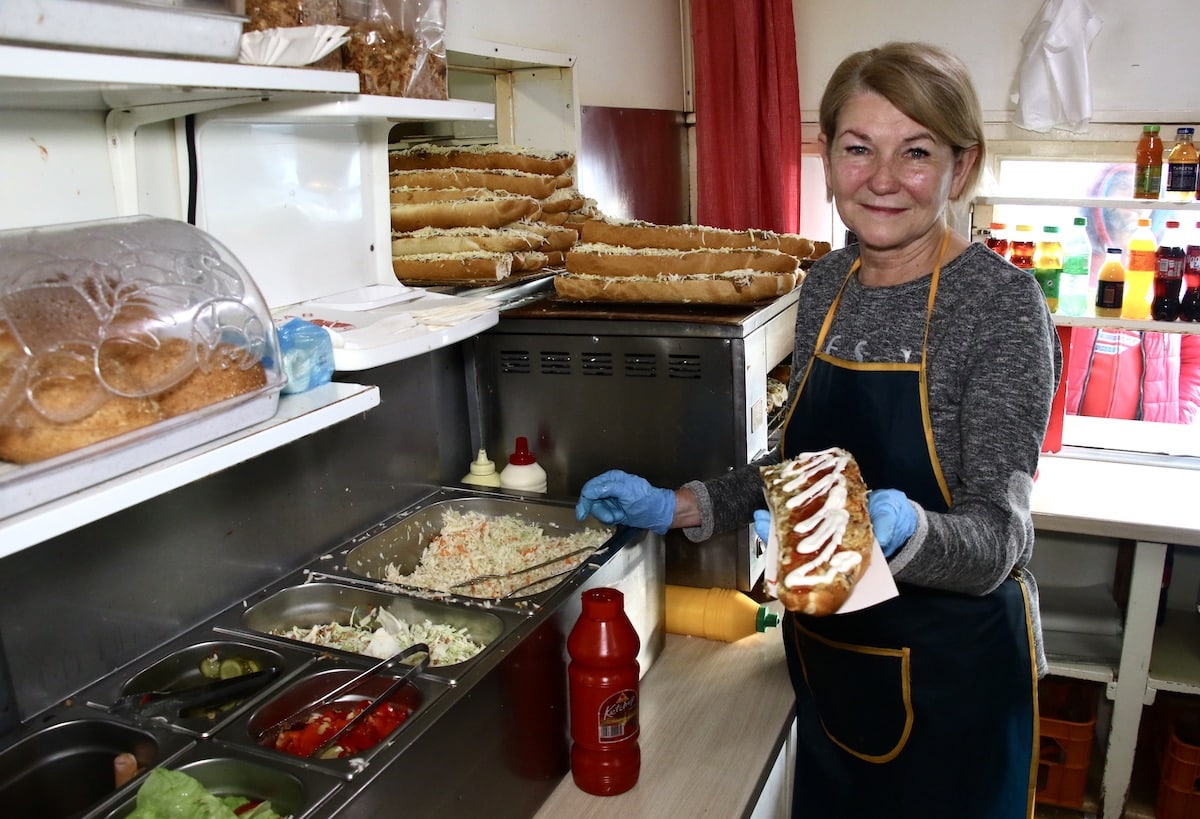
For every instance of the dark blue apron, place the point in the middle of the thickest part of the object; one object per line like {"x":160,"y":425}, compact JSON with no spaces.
{"x":923,"y":706}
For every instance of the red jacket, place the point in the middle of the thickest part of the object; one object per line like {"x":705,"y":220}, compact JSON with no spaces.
{"x":1135,"y":375}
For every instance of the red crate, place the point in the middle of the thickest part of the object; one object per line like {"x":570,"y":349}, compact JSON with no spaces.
{"x":1179,"y":786}
{"x":1067,"y":710}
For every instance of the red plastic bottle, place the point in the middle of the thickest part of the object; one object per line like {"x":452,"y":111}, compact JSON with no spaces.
{"x":603,"y":680}
{"x":1189,"y":309}
{"x":1170,"y":261}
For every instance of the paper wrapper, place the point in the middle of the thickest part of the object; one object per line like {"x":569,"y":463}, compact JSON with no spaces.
{"x":874,"y":587}
{"x":302,"y":45}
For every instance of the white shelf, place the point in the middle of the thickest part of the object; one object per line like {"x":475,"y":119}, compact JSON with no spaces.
{"x":1175,"y":662}
{"x":298,"y":416}
{"x":366,"y":107}
{"x":49,"y":78}
{"x":470,"y":53}
{"x":1125,"y":204}
{"x":1182,"y":327}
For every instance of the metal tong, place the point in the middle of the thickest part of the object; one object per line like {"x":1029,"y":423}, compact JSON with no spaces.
{"x":482,"y":578}
{"x":171,"y":703}
{"x":354,"y":682}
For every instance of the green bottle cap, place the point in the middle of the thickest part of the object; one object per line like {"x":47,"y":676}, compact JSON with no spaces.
{"x":766,"y":619}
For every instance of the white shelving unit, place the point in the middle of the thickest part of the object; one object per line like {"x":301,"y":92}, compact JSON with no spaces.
{"x":130,"y":93}
{"x":1072,"y":495}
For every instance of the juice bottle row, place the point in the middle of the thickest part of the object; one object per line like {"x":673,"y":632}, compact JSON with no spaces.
{"x":1152,"y":278}
{"x":1182,"y":166}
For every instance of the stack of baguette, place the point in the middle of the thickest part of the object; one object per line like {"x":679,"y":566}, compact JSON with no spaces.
{"x":636,"y":261}
{"x":480,"y":213}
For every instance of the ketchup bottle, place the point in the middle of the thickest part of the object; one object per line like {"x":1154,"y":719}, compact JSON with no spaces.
{"x":603,"y":682}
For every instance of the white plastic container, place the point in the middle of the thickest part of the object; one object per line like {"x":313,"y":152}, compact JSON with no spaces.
{"x":483,"y":471}
{"x":523,"y":471}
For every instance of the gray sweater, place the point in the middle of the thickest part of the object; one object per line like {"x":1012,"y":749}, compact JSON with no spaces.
{"x":993,"y":364}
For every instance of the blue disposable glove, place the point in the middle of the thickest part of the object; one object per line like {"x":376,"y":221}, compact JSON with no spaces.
{"x":892,"y":517}
{"x":618,"y":497}
{"x":762,"y":524}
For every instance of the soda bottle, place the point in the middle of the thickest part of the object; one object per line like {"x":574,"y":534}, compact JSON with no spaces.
{"x":1139,"y":273}
{"x":997,"y":240}
{"x":1074,"y":285}
{"x":1110,"y":290}
{"x":1189,"y":305}
{"x":1021,"y":249}
{"x":1181,"y":167}
{"x":602,"y":678}
{"x":1168,"y":274}
{"x":1147,"y":179}
{"x":1048,"y":263}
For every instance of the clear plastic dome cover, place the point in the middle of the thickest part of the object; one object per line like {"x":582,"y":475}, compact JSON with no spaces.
{"x":115,"y":325}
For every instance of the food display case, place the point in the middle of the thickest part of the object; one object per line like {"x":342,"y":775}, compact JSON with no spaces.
{"x":501,"y":711}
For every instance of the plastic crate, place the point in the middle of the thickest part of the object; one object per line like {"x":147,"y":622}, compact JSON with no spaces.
{"x":1179,"y":786}
{"x":1067,"y":725}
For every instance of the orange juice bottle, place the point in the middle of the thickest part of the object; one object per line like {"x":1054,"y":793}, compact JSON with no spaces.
{"x":1110,"y":290}
{"x":1139,"y":273}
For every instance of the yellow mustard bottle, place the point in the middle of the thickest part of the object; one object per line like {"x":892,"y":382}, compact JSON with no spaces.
{"x":715,"y":614}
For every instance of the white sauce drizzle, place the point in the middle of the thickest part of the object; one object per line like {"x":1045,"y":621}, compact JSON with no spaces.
{"x":823,"y":531}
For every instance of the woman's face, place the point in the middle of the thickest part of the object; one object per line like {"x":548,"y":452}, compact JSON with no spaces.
{"x":889,"y":175}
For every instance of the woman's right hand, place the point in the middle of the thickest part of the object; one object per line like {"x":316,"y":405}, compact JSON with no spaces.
{"x":617,"y":497}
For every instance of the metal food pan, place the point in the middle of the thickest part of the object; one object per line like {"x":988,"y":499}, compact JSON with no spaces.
{"x":247,"y":732}
{"x":62,"y":767}
{"x":400,"y":543}
{"x":228,"y":771}
{"x":176,"y":666}
{"x":320,"y":603}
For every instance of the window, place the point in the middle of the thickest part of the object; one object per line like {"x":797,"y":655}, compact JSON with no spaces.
{"x":1128,"y":390}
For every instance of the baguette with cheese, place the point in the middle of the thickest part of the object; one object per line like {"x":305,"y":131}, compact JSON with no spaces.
{"x":481,"y":157}
{"x":614,"y":260}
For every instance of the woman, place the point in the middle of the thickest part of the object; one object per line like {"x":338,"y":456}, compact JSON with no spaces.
{"x":934,"y":362}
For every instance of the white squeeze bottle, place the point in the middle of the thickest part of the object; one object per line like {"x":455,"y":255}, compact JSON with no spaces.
{"x":483,"y":471}
{"x":523,"y":471}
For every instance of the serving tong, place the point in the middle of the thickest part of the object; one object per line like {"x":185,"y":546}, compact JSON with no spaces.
{"x":171,"y":703}
{"x":484,"y":578}
{"x":350,"y":685}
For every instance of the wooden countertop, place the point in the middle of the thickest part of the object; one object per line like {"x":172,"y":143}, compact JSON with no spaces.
{"x":713,"y":718}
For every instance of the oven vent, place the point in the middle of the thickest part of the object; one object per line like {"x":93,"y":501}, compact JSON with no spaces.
{"x":683,"y":366}
{"x":555,"y":363}
{"x":596,"y":364}
{"x":514,"y":361}
{"x":641,"y":365}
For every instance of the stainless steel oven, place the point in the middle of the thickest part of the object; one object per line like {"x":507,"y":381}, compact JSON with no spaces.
{"x":668,"y":392}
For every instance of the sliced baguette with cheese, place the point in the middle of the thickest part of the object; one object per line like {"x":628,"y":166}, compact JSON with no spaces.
{"x":453,"y":267}
{"x":636,"y":233}
{"x":539,"y":186}
{"x":416,"y":208}
{"x":508,"y":239}
{"x":481,"y":157}
{"x":733,"y":287}
{"x":613,"y":260}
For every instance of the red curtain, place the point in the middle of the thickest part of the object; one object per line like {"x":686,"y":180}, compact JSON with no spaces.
{"x":747,"y":114}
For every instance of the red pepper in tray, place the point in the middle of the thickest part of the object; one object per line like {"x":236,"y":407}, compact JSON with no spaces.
{"x":321,"y":724}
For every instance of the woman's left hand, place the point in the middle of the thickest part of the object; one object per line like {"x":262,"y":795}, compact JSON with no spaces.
{"x":892,"y":517}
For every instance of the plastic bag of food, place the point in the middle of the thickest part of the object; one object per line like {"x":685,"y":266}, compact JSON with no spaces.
{"x":397,"y":47}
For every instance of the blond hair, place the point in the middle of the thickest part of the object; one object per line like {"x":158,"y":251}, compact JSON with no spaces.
{"x":926,"y":83}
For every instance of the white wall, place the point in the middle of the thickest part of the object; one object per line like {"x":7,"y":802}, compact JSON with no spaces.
{"x":629,"y":52}
{"x":1141,"y":63}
